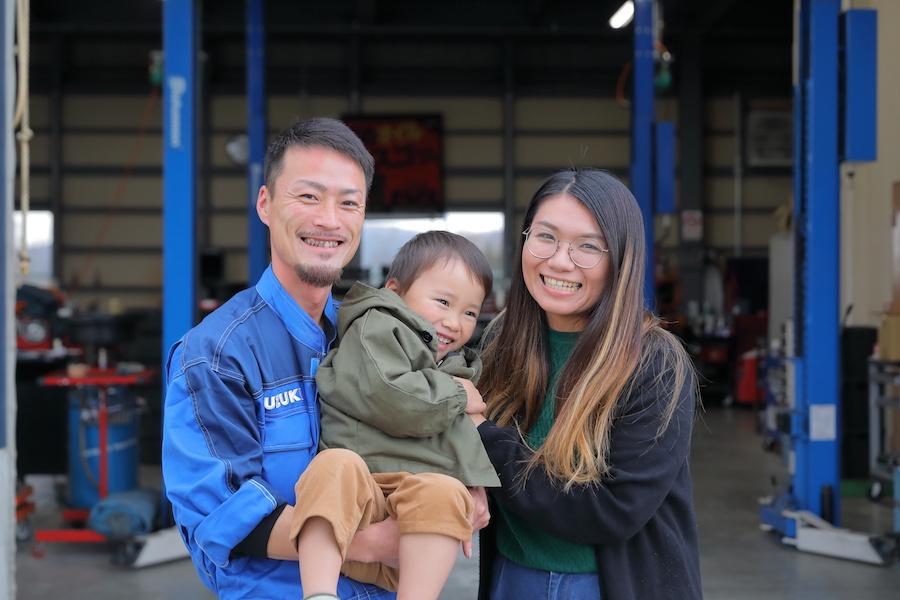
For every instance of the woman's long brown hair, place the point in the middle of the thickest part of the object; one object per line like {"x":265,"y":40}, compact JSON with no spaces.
{"x":620,"y":340}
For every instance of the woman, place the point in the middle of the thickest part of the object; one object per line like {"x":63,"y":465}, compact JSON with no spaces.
{"x":591,"y":405}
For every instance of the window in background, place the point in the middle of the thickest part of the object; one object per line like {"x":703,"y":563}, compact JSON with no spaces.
{"x":382,"y":237}
{"x":40,"y":245}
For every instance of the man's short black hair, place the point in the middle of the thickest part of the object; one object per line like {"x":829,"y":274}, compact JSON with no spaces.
{"x":318,"y":131}
{"x":433,"y":247}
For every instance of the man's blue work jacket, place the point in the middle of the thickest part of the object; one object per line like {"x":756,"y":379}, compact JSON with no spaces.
{"x":241,"y":423}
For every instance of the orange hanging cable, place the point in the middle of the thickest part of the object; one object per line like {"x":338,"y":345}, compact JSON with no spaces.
{"x":625,"y":73}
{"x":127,"y":171}
{"x":621,"y":100}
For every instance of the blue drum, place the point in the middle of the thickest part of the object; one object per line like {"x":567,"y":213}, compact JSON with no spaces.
{"x":84,"y":444}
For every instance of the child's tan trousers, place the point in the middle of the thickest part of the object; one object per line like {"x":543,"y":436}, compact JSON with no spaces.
{"x":338,"y":487}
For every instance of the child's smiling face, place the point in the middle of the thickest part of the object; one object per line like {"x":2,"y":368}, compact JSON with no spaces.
{"x":449,"y":297}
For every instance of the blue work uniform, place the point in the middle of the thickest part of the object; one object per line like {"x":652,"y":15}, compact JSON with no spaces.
{"x":241,"y":424}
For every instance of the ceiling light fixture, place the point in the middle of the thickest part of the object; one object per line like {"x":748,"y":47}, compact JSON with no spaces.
{"x":623,"y":16}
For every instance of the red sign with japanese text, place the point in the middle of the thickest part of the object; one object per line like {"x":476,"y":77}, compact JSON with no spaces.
{"x":409,"y":161}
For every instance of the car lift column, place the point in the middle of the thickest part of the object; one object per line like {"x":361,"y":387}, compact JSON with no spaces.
{"x":180,"y":43}
{"x":642,"y":133}
{"x":257,"y":257}
{"x":817,"y":217}
{"x":806,"y":513}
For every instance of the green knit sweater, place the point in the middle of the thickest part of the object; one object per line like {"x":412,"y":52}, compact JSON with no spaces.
{"x":521,"y":541}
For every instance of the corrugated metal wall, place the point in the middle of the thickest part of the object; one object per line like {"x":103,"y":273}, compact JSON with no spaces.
{"x":109,"y":208}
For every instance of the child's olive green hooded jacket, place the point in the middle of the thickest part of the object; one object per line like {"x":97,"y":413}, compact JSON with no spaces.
{"x":383,"y":396}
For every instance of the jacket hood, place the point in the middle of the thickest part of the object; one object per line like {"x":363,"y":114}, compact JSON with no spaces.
{"x":362,"y":298}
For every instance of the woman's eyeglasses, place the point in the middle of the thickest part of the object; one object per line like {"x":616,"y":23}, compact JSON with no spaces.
{"x":585,"y":252}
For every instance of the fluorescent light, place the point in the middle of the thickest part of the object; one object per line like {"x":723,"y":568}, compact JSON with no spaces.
{"x":623,"y":16}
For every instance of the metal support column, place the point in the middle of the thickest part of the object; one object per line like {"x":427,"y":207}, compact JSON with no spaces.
{"x":205,"y":207}
{"x":642,"y":133}
{"x":664,"y":167}
{"x":817,"y":478}
{"x":354,"y":98}
{"x":7,"y":300}
{"x":738,"y":179}
{"x":257,"y":240}
{"x":56,"y":154}
{"x":510,"y":229}
{"x":690,"y":162}
{"x":180,"y":43}
{"x":806,"y":513}
{"x":7,"y":303}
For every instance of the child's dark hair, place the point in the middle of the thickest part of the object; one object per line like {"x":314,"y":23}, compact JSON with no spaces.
{"x":429,"y":248}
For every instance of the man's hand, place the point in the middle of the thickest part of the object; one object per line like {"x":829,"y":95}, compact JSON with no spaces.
{"x":481,"y":516}
{"x":474,"y":403}
{"x":379,"y":542}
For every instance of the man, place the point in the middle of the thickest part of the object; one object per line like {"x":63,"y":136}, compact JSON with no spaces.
{"x":241,"y":412}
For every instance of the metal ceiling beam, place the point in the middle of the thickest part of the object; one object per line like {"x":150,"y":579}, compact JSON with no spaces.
{"x":328,"y":31}
{"x":366,"y":12}
{"x":538,"y":10}
{"x":712,"y":15}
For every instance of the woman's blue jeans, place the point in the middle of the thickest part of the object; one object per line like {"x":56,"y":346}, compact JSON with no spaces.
{"x":511,"y":581}
{"x":349,"y":589}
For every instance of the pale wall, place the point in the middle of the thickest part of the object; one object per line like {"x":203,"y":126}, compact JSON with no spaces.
{"x":866,"y":197}
{"x":111,"y":219}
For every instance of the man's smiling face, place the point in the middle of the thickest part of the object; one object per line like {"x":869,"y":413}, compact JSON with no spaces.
{"x":315,"y":212}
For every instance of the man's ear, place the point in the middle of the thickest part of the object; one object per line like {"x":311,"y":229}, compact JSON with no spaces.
{"x":262,"y":204}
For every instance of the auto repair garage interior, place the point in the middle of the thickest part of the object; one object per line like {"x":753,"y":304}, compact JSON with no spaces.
{"x":759,"y":139}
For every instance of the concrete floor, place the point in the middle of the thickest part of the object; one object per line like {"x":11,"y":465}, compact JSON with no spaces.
{"x":738,"y":561}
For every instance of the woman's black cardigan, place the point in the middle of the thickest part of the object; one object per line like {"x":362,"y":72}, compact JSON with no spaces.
{"x":640,"y":518}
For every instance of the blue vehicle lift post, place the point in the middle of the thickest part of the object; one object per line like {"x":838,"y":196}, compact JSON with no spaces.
{"x":180,"y":43}
{"x":257,"y":246}
{"x":180,"y":94}
{"x":642,"y":134}
{"x":807,"y":514}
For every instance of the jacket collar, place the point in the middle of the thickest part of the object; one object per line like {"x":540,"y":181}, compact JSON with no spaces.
{"x":298,"y":323}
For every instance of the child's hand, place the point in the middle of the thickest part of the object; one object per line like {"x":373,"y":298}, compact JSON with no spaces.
{"x":474,"y":403}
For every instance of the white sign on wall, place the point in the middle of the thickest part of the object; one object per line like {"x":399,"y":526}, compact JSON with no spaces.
{"x":692,"y":225}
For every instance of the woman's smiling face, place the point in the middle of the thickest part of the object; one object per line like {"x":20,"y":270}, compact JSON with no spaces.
{"x":566,"y":292}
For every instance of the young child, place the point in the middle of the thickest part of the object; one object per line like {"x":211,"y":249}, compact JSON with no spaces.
{"x":396,"y":440}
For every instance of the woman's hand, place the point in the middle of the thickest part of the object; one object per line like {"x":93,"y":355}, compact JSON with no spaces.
{"x":481,"y":516}
{"x":478,"y":419}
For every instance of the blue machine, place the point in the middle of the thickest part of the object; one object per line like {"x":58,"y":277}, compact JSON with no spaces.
{"x":84,"y":445}
{"x":642,"y":133}
{"x":652,"y":175}
{"x":808,"y":512}
{"x":181,"y":36}
{"x":257,"y":233}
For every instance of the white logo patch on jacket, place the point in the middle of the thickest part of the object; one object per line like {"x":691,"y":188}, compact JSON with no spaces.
{"x":284,"y":398}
